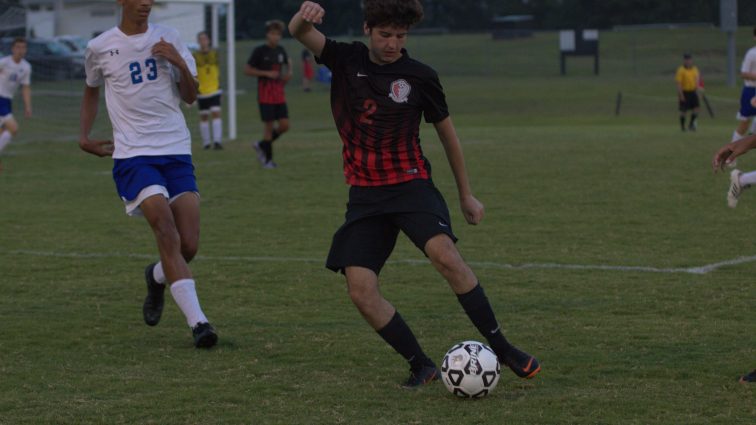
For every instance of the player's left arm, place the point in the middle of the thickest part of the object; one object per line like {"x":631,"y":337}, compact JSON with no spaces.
{"x":26,"y":94}
{"x":727,"y":153}
{"x":471,"y":208}
{"x":187,"y":84}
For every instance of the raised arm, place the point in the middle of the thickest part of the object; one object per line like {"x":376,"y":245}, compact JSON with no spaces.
{"x":302,"y":27}
{"x":88,"y":113}
{"x":471,"y":207}
{"x":188,"y":84}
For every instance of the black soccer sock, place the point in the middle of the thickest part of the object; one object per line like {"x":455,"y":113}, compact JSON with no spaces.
{"x":399,"y":336}
{"x":693,"y":118}
{"x":478,"y":309}
{"x":267,"y":148}
{"x":275,"y":135}
{"x":682,"y":121}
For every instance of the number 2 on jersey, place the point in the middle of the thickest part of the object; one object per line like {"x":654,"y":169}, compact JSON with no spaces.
{"x":370,"y":107}
{"x":136,"y":71}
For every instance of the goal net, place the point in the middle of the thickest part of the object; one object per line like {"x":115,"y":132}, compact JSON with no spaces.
{"x":58,"y":30}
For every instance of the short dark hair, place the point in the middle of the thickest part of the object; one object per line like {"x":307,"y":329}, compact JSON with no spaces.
{"x":18,"y":40}
{"x":203,"y":32}
{"x":687,"y":56}
{"x":274,"y":25}
{"x":398,"y":13}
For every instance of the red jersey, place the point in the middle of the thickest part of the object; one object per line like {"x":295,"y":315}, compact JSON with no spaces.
{"x":377,"y":110}
{"x":270,"y":91}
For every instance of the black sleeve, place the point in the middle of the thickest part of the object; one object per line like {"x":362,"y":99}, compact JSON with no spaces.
{"x":255,"y":58}
{"x":335,"y":54}
{"x":434,"y":100}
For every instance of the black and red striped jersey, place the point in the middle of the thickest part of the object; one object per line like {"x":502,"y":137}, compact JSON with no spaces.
{"x":377,"y":110}
{"x":266,"y":58}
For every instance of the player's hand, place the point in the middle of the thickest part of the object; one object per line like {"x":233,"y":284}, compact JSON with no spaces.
{"x":727,"y":153}
{"x":286,"y":77}
{"x":273,"y":75}
{"x":312,"y":12}
{"x":167,"y":51}
{"x":472,"y":209}
{"x":100,"y":148}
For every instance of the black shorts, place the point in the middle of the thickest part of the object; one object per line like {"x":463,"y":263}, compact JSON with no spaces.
{"x":376,"y":214}
{"x":273,"y":112}
{"x":208,"y":103}
{"x":690,"y":102}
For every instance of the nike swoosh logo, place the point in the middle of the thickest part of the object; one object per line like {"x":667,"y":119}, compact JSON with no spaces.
{"x":495,"y":330}
{"x":442,"y":224}
{"x":526,"y":369}
{"x":359,"y":74}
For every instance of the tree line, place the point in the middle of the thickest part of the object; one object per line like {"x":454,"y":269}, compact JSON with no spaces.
{"x":345,"y":16}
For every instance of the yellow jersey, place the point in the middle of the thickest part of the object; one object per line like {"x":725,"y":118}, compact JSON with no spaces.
{"x":208,"y":72}
{"x":687,"y":78}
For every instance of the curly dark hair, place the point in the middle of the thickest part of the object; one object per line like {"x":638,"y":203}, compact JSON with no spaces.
{"x":398,"y":13}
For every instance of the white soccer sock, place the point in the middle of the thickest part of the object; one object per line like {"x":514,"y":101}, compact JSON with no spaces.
{"x":748,"y":179}
{"x":217,"y":130}
{"x":186,"y":297}
{"x":5,"y":139}
{"x":158,"y":274}
{"x":736,"y":136}
{"x":205,"y":132}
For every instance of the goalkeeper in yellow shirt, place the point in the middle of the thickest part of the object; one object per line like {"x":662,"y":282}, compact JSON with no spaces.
{"x":209,"y":96}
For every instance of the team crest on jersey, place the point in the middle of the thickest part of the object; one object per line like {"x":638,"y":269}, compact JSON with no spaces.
{"x":400,"y":90}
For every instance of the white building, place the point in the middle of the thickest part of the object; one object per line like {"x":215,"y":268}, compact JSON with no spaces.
{"x":87,"y":18}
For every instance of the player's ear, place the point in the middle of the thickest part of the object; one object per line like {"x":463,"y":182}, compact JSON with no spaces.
{"x":366,"y":29}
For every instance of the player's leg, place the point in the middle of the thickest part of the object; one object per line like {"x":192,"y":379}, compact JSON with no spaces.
{"x":683,"y":111}
{"x":160,"y":216}
{"x":445,"y":257}
{"x":360,"y":249}
{"x":266,"y":144}
{"x":748,"y":378}
{"x":282,"y":116}
{"x":204,"y":122}
{"x":9,"y":129}
{"x":693,"y":126}
{"x":217,"y":123}
{"x":362,"y":284}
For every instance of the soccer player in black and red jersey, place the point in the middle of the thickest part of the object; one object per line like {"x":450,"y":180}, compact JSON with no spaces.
{"x":378,"y":96}
{"x":272,"y":67}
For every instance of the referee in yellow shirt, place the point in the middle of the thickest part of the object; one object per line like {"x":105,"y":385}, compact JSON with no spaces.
{"x":209,"y":95}
{"x":687,"y":78}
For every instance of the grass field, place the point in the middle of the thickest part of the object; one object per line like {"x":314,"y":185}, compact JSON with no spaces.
{"x":565,"y":182}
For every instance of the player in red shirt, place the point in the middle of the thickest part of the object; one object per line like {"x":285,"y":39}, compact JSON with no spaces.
{"x":378,"y":96}
{"x":272,"y":67}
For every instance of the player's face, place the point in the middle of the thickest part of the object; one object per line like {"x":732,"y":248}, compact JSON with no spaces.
{"x":386,"y":43}
{"x":136,"y":10}
{"x":18,"y":50}
{"x":204,"y":41}
{"x":273,"y":37}
{"x":687,"y":63}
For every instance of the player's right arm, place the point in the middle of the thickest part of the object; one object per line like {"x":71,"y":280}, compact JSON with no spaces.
{"x":302,"y":27}
{"x":87,"y":115}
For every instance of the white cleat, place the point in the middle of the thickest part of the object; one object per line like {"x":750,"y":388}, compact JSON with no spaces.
{"x":735,"y":189}
{"x":733,"y":163}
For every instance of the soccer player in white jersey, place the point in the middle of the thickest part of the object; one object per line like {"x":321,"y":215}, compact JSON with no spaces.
{"x":147,"y":71}
{"x":739,"y":180}
{"x":14,"y":71}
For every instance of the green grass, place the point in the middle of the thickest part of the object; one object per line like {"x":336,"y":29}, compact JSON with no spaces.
{"x":563,"y":180}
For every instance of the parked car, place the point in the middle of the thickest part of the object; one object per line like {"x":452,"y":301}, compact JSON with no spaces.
{"x":50,"y":59}
{"x":75,"y":43}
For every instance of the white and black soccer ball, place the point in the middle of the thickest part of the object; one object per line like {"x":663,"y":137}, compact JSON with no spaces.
{"x":470,"y":369}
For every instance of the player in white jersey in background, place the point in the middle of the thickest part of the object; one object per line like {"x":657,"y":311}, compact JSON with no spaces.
{"x":14,"y":71}
{"x":739,"y":181}
{"x":147,"y":71}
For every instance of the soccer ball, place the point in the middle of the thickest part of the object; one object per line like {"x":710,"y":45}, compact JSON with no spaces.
{"x":470,"y":369}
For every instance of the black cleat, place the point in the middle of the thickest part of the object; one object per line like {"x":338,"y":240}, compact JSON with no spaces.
{"x":204,"y":335}
{"x":217,"y":146}
{"x":424,"y":375}
{"x":522,"y":364}
{"x":751,"y":377}
{"x":206,"y":147}
{"x":153,"y":304}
